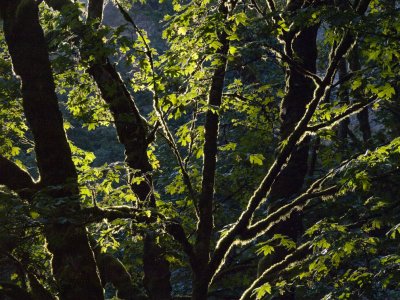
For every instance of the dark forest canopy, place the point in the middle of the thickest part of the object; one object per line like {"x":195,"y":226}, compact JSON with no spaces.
{"x":231,"y":149}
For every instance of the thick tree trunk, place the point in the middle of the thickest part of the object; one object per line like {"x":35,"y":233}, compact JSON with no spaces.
{"x":200,"y":286}
{"x":111,"y":270}
{"x":299,"y":92}
{"x":132,"y":133}
{"x":73,"y":263}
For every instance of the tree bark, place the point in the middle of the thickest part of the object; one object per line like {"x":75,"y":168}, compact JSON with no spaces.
{"x":201,"y":278}
{"x":301,"y":47}
{"x":15,"y":178}
{"x":299,"y":92}
{"x":132,"y":133}
{"x":113,"y":271}
{"x":73,"y":262}
{"x":344,"y":125}
{"x":362,"y":116}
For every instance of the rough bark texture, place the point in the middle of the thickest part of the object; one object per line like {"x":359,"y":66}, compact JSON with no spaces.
{"x":73,"y":262}
{"x":302,"y":48}
{"x":95,"y":10}
{"x":299,"y":92}
{"x":205,"y":226}
{"x":130,"y":126}
{"x":132,"y":133}
{"x":15,"y":179}
{"x":111,"y":270}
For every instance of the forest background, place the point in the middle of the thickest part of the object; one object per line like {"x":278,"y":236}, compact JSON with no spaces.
{"x":232,"y":149}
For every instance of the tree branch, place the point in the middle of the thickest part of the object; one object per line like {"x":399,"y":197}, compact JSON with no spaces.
{"x":15,"y":178}
{"x":267,"y":275}
{"x":168,"y":135}
{"x":96,"y":214}
{"x":352,"y":109}
{"x":176,"y":230}
{"x":288,"y":146}
{"x":296,"y":65}
{"x":72,"y":262}
{"x":265,"y":225}
{"x":210,"y":148}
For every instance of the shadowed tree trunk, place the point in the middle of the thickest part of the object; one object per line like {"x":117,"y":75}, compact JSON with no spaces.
{"x":300,"y":46}
{"x":113,"y":271}
{"x":205,"y":226}
{"x":362,"y":116}
{"x":73,"y":261}
{"x":299,"y":92}
{"x":132,"y":133}
{"x":343,"y":129}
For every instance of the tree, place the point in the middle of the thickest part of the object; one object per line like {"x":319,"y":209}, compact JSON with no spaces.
{"x":207,"y":178}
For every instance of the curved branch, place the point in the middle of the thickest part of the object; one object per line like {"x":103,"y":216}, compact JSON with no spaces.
{"x":296,"y":65}
{"x":226,"y":242}
{"x":96,"y":214}
{"x":167,"y":132}
{"x":265,"y":225}
{"x":352,"y":109}
{"x":15,"y":178}
{"x":299,"y":253}
{"x":177,"y":232}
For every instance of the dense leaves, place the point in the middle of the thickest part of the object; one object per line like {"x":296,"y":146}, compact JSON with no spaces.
{"x":348,"y":205}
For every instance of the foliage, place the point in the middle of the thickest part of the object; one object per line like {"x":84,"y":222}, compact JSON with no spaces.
{"x":351,"y":233}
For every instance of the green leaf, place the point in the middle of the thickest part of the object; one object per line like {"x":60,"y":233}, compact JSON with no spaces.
{"x":34,"y":215}
{"x":91,"y":126}
{"x":232,"y":50}
{"x":256,"y":159}
{"x":14,"y":276}
{"x":216,"y":45}
{"x":265,"y":250}
{"x":356,"y":84}
{"x":386,"y":92}
{"x":227,"y":147}
{"x":240,"y":18}
{"x":262,"y":290}
{"x":15,"y":151}
{"x":182,"y":30}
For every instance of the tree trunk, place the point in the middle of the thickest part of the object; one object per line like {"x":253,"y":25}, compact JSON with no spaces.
{"x":362,"y":116}
{"x":132,"y":133}
{"x":201,"y":278}
{"x":73,"y":263}
{"x":299,"y":92}
{"x":344,"y":125}
{"x":200,"y":286}
{"x":302,"y":48}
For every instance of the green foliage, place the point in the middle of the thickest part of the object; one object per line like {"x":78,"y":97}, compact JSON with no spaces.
{"x":353,"y":233}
